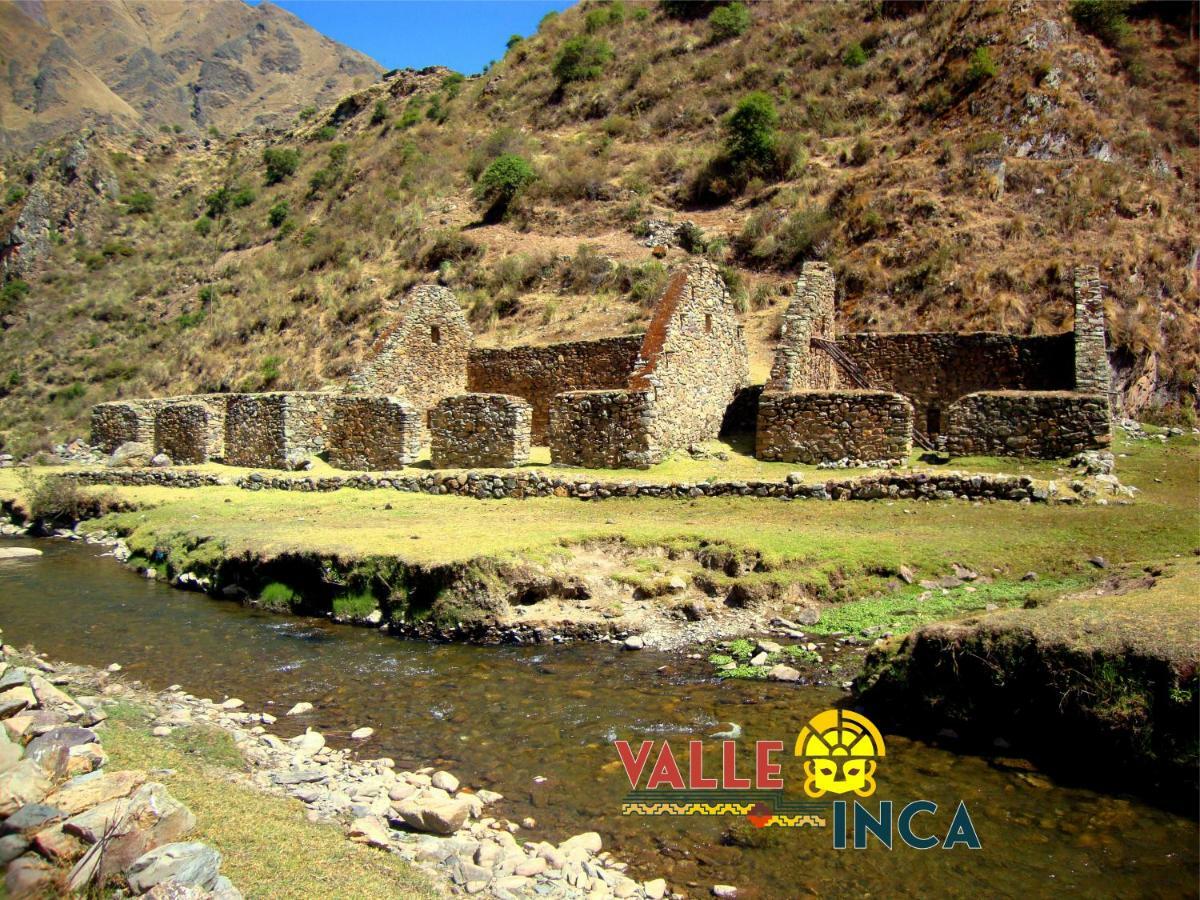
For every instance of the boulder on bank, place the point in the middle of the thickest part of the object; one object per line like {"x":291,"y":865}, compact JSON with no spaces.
{"x":185,"y":863}
{"x":131,"y":454}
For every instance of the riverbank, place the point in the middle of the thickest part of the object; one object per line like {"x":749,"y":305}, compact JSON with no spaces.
{"x":287,"y":818}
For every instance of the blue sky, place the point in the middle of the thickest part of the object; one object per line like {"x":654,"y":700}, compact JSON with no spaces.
{"x":462,"y":34}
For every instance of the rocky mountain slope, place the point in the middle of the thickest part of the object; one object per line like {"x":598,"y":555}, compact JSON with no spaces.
{"x":145,"y":64}
{"x":951,"y":162}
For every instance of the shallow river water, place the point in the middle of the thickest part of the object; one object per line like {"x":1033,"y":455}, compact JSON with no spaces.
{"x":501,"y":717}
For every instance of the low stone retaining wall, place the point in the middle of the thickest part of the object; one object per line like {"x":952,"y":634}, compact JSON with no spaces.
{"x":373,"y":433}
{"x":177,"y":478}
{"x":487,"y":430}
{"x":823,"y":426}
{"x":1045,"y":424}
{"x":602,"y":430}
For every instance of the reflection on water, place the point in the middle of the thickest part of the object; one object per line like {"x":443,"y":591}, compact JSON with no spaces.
{"x":499,"y":717}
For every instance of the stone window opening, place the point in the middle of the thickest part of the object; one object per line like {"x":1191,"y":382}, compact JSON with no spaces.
{"x":435,"y":334}
{"x":708,"y":323}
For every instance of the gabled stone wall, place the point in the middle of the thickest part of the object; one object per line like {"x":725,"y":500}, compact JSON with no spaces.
{"x":603,"y":430}
{"x":539,"y":373}
{"x":798,"y":366}
{"x":1043,"y":424}
{"x":480,"y":430}
{"x":824,"y":426}
{"x":373,"y":433}
{"x":276,"y":430}
{"x":422,"y":356}
{"x":693,"y":360}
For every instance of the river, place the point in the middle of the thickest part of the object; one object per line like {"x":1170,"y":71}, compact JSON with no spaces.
{"x":507,"y":718}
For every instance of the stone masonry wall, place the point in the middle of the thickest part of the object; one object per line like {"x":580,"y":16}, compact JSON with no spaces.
{"x":603,"y":430}
{"x":1092,"y":374}
{"x":539,"y":373}
{"x":182,"y":431}
{"x":933,"y":369}
{"x":484,"y":430}
{"x":276,"y":430}
{"x":810,"y":314}
{"x":693,"y":360}
{"x":1043,"y":424}
{"x":422,"y":356}
{"x":372,"y":433}
{"x":119,"y":421}
{"x":821,"y":426}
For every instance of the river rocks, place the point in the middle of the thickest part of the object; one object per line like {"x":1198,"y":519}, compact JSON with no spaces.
{"x":18,"y":552}
{"x":16,"y":699}
{"x":26,"y":782}
{"x":589,"y":842}
{"x":727,"y":891}
{"x":370,"y":830}
{"x":91,"y":790}
{"x":299,"y":709}
{"x":361,"y":734}
{"x":51,"y":750}
{"x":187,"y":863}
{"x":10,"y":753}
{"x":31,"y":818}
{"x":308,"y":743}
{"x":634,"y":642}
{"x":782,"y":672}
{"x":444,"y":781}
{"x":439,"y":817}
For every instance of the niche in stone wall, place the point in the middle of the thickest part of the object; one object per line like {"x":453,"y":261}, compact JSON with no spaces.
{"x":933,"y":420}
{"x":435,"y":334}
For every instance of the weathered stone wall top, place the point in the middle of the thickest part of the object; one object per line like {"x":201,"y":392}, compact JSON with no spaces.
{"x":603,"y":430}
{"x":825,"y":426}
{"x":798,"y":365}
{"x":933,"y":369}
{"x":1043,"y":424}
{"x":694,"y":358}
{"x":1092,"y":374}
{"x":484,"y":430}
{"x":422,"y":355}
{"x":373,"y":433}
{"x":538,"y":373}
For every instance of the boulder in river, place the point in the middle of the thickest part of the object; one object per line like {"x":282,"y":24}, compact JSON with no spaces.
{"x":19,"y":552}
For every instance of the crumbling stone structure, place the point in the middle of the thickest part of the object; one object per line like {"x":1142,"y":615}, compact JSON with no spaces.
{"x":481,"y":430}
{"x":189,"y":433}
{"x":603,"y":430}
{"x":118,"y":421}
{"x":422,"y":356}
{"x":1092,"y":374}
{"x":817,"y":426}
{"x":373,"y":433}
{"x":798,"y":365}
{"x":277,"y":430}
{"x":538,"y":374}
{"x":691,"y":365}
{"x":1045,"y":424}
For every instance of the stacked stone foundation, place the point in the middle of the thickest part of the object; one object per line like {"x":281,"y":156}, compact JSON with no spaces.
{"x":480,"y":430}
{"x":824,"y":426}
{"x":603,"y":430}
{"x":1040,"y":424}
{"x":374,"y":433}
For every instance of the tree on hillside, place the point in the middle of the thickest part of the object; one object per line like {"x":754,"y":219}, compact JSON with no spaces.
{"x":750,"y":133}
{"x":501,"y":182}
{"x":281,"y":163}
{"x":581,"y":58}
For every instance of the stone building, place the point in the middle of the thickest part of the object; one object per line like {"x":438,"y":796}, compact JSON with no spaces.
{"x":480,"y":430}
{"x":422,"y":356}
{"x":373,"y":433}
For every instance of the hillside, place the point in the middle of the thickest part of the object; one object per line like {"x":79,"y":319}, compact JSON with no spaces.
{"x":951,"y":161}
{"x":145,"y":64}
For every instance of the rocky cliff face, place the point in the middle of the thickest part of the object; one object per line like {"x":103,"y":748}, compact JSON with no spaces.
{"x":146,"y":64}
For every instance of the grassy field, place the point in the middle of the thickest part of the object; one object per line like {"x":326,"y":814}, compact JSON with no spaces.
{"x":268,"y":847}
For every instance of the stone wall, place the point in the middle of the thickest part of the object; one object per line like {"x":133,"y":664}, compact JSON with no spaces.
{"x":119,"y":421}
{"x":485,"y":430}
{"x":798,"y":366}
{"x":276,"y":430}
{"x":422,"y":356}
{"x":539,"y":373}
{"x":1045,"y":424}
{"x":182,"y":431}
{"x":603,"y":430}
{"x":1092,"y":374}
{"x":373,"y":433}
{"x":821,"y":426}
{"x":933,"y":369}
{"x":693,"y":360}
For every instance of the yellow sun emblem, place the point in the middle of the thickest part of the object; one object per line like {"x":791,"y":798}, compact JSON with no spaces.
{"x":840,"y":749}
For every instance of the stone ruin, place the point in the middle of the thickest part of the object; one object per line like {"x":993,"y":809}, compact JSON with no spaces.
{"x":982,"y":393}
{"x":629,"y":402}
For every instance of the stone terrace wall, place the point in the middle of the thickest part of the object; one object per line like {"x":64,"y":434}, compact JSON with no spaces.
{"x":1092,"y":374}
{"x":538,"y":373}
{"x":933,"y":369}
{"x":373,"y":433}
{"x":797,"y":365}
{"x":1044,"y":424}
{"x":819,"y":426}
{"x":183,"y":431}
{"x":422,"y":356}
{"x":603,"y":430}
{"x":276,"y":430}
{"x":693,"y":360}
{"x":486,"y":430}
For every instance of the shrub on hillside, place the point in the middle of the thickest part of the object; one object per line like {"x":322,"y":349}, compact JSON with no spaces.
{"x":278,"y":213}
{"x":281,"y":163}
{"x":57,"y":500}
{"x":139,"y":203}
{"x":982,"y":67}
{"x":12,"y":293}
{"x":726,"y":22}
{"x":581,"y":58}
{"x":750,"y":133}
{"x":203,"y":226}
{"x":502,"y":181}
{"x":380,"y":113}
{"x":854,"y":56}
{"x":242,"y":197}
{"x":216,"y":204}
{"x":1103,"y":18}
